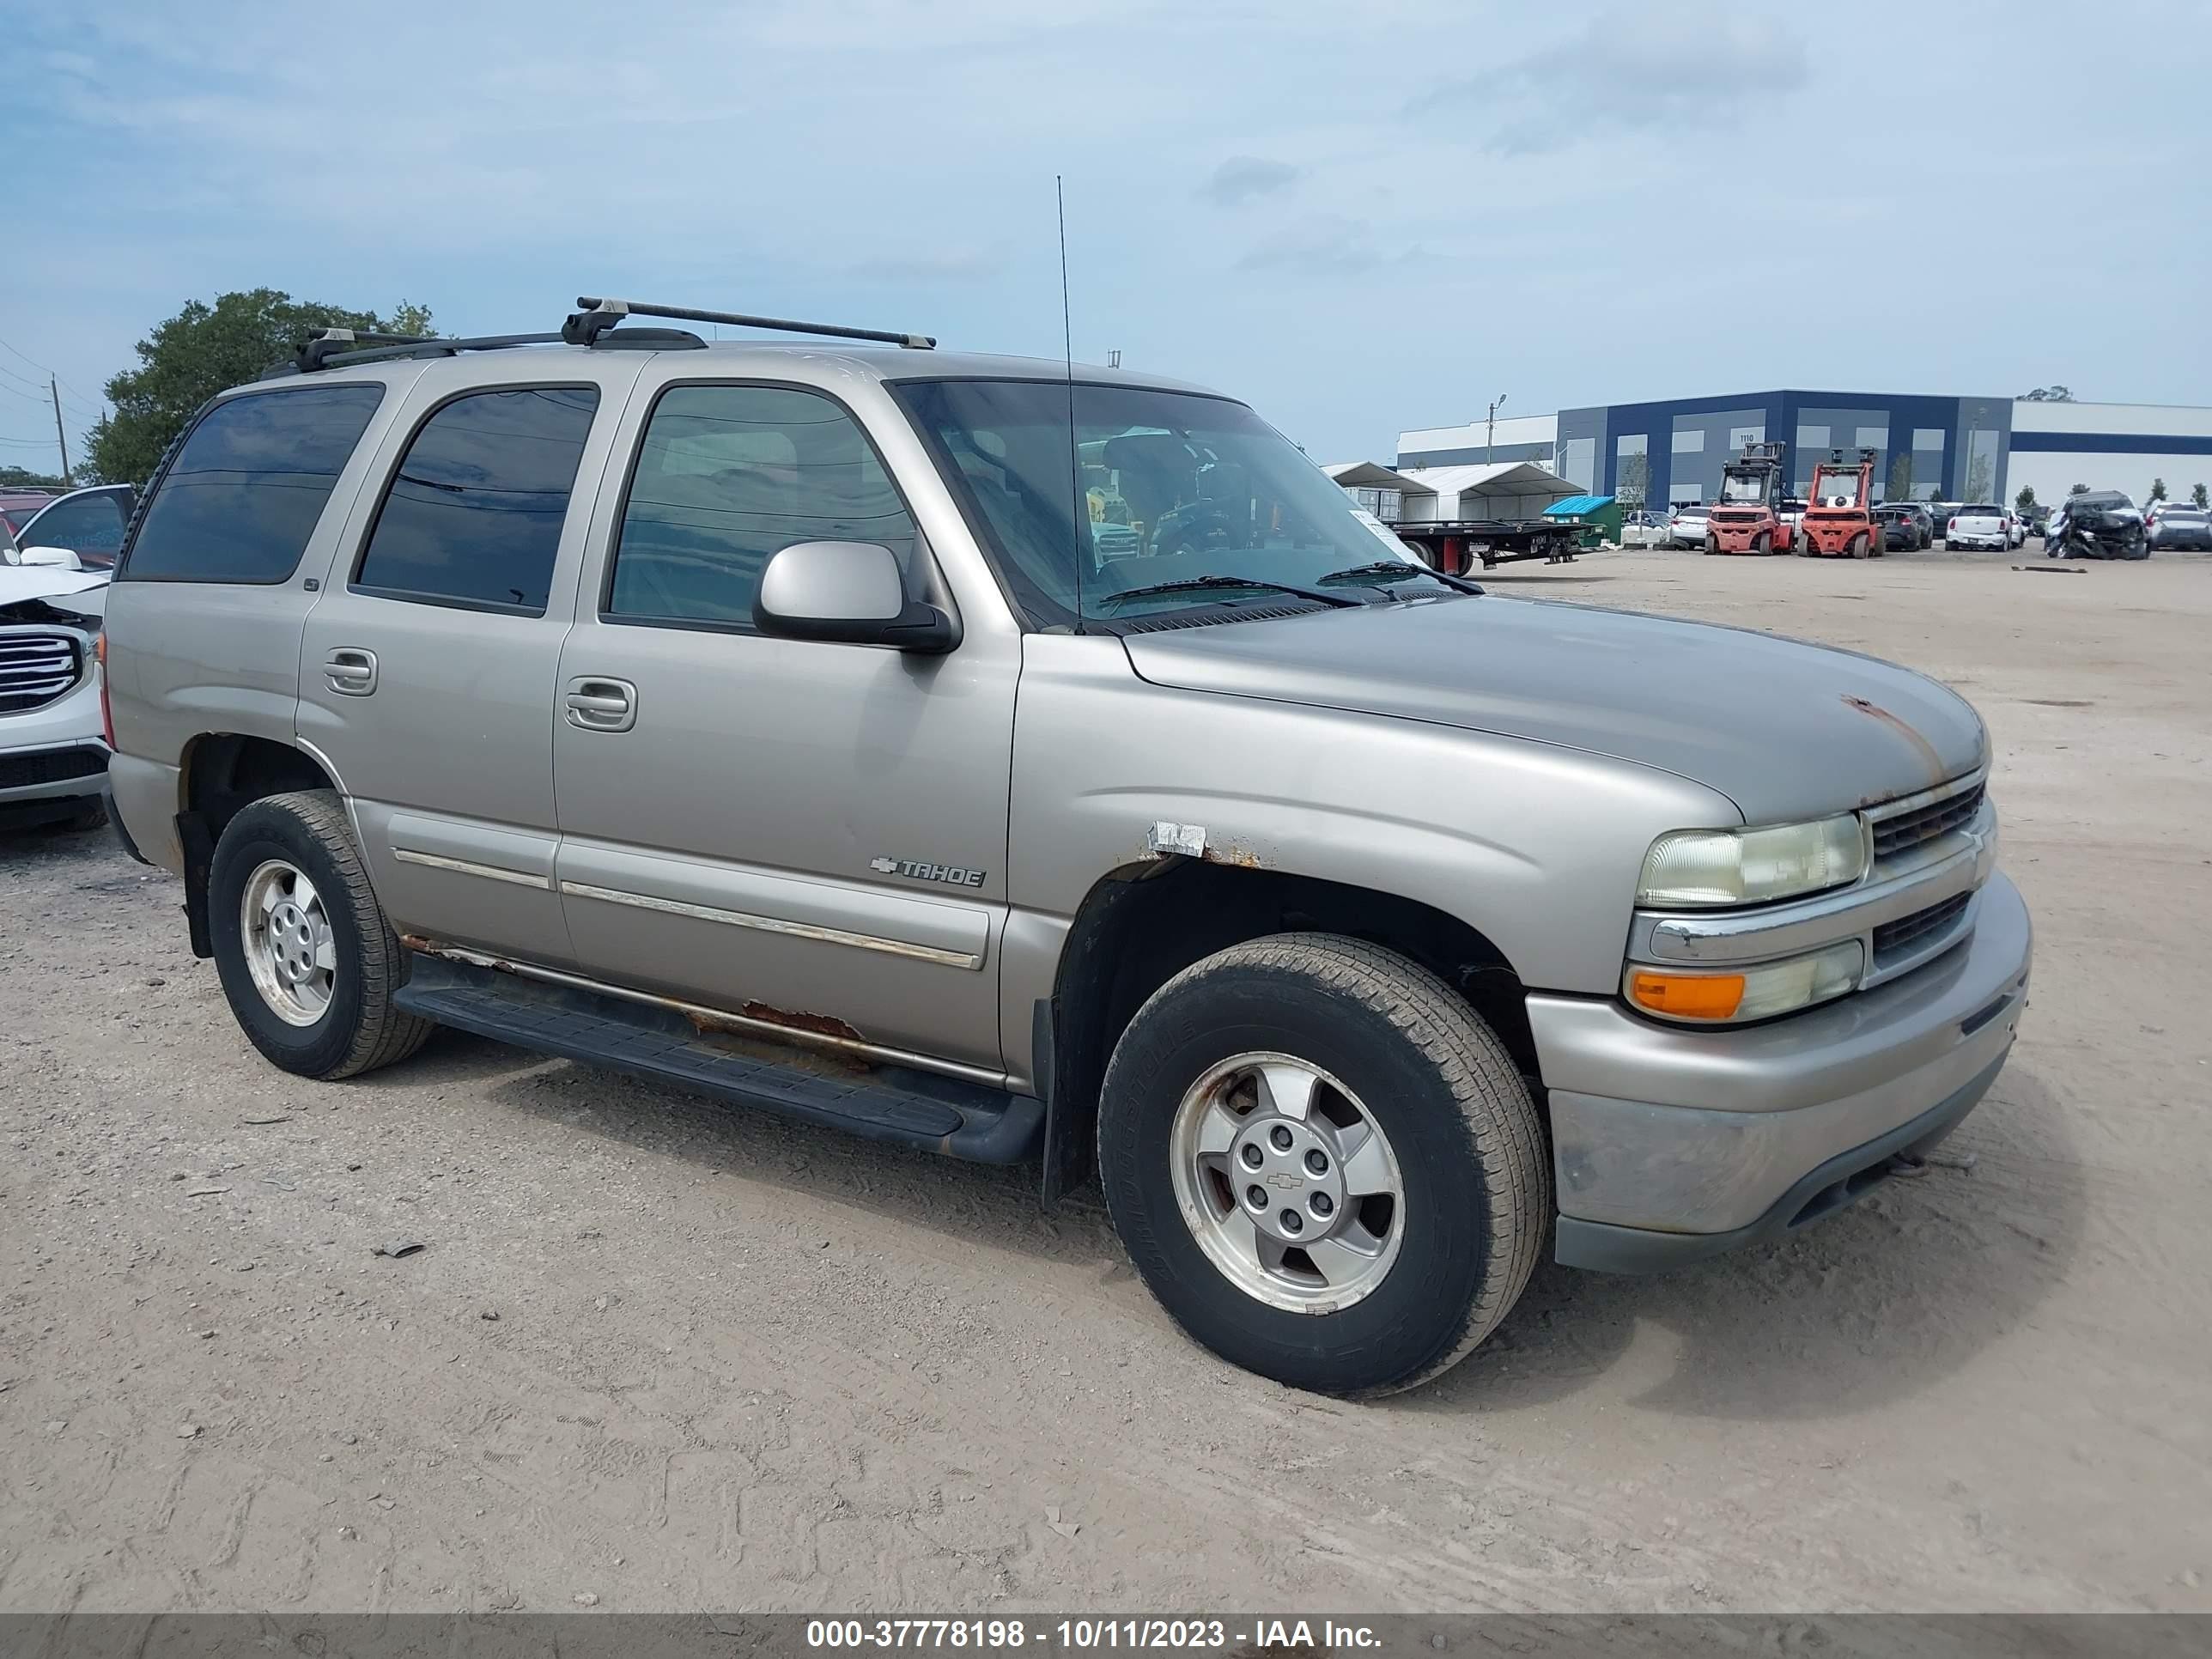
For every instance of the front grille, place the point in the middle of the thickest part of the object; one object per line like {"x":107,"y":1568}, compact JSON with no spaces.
{"x":1909,"y":829}
{"x":51,"y":766}
{"x":1893,"y":936}
{"x":35,"y":669}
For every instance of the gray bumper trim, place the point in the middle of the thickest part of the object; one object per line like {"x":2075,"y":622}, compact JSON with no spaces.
{"x":1605,"y":1248}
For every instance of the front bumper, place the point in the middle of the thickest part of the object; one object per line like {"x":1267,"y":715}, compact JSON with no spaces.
{"x":1670,"y":1144}
{"x":53,"y":753}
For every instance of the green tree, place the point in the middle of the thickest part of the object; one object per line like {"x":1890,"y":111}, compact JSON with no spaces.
{"x":2198,"y":498}
{"x":2158,"y":489}
{"x":2025,"y":500}
{"x":198,"y":353}
{"x":22,"y":477}
{"x":1900,"y":475}
{"x":2079,"y":489}
{"x":1634,"y":480}
{"x":1978,"y":481}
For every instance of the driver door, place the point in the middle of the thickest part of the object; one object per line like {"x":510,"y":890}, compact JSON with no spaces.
{"x":805,"y":833}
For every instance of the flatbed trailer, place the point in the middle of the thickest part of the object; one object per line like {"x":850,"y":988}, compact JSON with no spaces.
{"x":1452,"y":545}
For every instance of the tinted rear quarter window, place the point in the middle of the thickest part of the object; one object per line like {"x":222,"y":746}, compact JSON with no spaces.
{"x":473,"y":516}
{"x":244,"y":492}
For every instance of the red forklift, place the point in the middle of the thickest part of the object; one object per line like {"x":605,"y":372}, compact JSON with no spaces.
{"x":1839,"y":521}
{"x":1746,"y":520}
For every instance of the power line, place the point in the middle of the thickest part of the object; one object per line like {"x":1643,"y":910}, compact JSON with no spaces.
{"x":33,"y":362}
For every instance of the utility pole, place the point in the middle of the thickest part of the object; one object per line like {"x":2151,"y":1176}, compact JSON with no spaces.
{"x":54,"y":389}
{"x":1490,"y":435}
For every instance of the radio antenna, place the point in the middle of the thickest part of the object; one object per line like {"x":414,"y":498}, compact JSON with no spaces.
{"x":1080,"y":523}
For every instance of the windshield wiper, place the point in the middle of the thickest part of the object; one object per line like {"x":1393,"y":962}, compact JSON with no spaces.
{"x":1196,"y":584}
{"x":1400,"y":571}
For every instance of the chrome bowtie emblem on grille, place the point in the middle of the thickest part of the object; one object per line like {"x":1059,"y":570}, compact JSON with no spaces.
{"x":884,"y":866}
{"x":1284,"y":1181}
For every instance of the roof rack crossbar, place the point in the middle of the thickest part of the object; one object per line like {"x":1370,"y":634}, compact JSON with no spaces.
{"x":613,"y":310}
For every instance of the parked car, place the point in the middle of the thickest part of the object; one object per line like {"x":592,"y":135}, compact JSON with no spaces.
{"x":1978,"y":524}
{"x":53,"y":758}
{"x":2178,"y":526}
{"x":1374,"y":934}
{"x":1923,"y":522}
{"x":1900,"y":528}
{"x":2098,"y":523}
{"x":87,"y":523}
{"x":1687,"y":526}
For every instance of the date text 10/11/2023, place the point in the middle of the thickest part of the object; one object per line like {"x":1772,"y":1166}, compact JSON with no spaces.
{"x":1090,"y":1635}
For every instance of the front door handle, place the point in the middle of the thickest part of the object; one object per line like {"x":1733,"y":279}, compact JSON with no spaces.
{"x":602,"y":705}
{"x":350,"y":671}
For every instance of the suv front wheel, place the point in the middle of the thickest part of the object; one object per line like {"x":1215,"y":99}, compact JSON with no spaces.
{"x":306,"y":958}
{"x":1323,"y":1163}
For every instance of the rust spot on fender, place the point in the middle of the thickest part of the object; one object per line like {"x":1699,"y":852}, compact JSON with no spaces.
{"x":1937,"y":771}
{"x":1244,"y":857}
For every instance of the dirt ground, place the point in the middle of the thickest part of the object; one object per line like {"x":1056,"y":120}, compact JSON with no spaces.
{"x":669,"y":1355}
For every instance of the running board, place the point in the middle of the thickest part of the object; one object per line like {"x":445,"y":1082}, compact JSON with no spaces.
{"x":897,"y":1104}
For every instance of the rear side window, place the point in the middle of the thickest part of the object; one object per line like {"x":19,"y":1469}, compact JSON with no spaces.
{"x":726,"y":478}
{"x":473,"y":516}
{"x":244,"y":493}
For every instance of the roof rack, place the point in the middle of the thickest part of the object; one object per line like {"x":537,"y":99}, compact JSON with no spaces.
{"x":598,"y":315}
{"x":338,"y":348}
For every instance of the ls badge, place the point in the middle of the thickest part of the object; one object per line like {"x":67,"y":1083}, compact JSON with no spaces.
{"x":951,"y":874}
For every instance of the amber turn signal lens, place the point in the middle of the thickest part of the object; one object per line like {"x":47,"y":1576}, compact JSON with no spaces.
{"x":1687,"y":996}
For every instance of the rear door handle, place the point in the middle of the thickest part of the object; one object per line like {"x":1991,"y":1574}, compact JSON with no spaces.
{"x":350,"y":672}
{"x":602,"y":705}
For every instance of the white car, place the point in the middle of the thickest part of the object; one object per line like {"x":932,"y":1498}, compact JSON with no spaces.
{"x":1981,"y":524}
{"x":53,"y":757}
{"x":1688,"y":526}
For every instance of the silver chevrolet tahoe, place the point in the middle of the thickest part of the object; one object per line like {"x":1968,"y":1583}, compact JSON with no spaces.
{"x":1028,"y":763}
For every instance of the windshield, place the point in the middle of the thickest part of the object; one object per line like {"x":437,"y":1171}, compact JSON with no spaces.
{"x":1175,"y":487}
{"x":1744,"y":488}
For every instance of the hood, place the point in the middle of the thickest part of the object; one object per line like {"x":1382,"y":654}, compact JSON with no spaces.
{"x":43,"y":593}
{"x":1784,"y":729}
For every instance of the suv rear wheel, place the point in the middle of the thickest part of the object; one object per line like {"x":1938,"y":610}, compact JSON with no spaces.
{"x":306,"y":958}
{"x":1323,"y":1163}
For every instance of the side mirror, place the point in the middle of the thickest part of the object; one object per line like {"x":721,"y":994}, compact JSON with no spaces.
{"x":848,"y":593}
{"x":51,"y":558}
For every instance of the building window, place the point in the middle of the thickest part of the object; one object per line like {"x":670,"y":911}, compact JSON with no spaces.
{"x":1579,"y":462}
{"x":1926,"y":440}
{"x":1632,"y":469}
{"x":1874,"y":437}
{"x":1812,"y":437}
{"x":1689,"y":440}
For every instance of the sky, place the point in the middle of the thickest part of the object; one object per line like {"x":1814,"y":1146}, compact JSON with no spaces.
{"x":1360,"y":218}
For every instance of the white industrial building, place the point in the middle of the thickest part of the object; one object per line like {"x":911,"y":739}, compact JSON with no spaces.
{"x":1665,"y":453}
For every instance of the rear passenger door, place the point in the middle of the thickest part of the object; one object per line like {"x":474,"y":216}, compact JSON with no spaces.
{"x":427,"y":669}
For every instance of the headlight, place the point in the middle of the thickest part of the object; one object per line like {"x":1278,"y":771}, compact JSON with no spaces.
{"x":1757,"y":992}
{"x":1751,"y":866}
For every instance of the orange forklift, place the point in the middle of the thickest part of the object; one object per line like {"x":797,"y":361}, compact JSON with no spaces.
{"x":1839,"y":521}
{"x":1745,"y":519}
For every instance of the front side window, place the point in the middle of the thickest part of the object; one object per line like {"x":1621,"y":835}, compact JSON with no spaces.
{"x":726,"y":478}
{"x":90,"y":526}
{"x":1175,"y":487}
{"x":243,"y":495}
{"x":473,"y":516}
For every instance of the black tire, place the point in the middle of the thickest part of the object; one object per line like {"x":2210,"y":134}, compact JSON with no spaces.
{"x":1713,"y":544}
{"x":1470,"y":1145}
{"x":359,"y":1030}
{"x":1759,"y":544}
{"x":90,"y":814}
